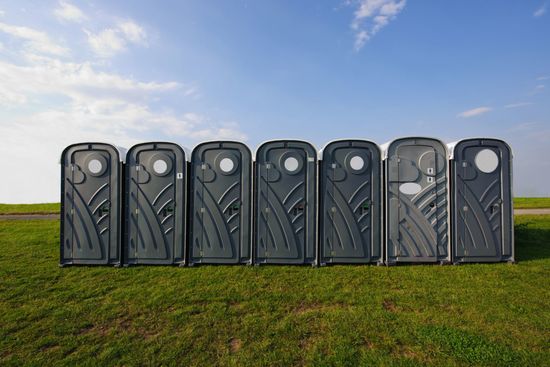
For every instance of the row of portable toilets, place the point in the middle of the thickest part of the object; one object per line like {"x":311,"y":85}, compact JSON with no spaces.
{"x":413,"y":200}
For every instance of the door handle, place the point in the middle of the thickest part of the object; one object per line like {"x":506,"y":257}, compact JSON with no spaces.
{"x":298,"y":208}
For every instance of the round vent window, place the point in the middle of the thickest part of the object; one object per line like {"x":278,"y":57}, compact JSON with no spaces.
{"x":357,"y":163}
{"x":291,"y":164}
{"x":486,"y":160}
{"x":160,"y":167}
{"x":227,"y":165}
{"x":95,"y":166}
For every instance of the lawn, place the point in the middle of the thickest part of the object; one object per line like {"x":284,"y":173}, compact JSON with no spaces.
{"x":46,"y":208}
{"x":484,"y":314}
{"x":531,"y":203}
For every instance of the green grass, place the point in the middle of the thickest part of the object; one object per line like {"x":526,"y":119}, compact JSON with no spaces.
{"x":531,"y":203}
{"x":46,"y":208}
{"x":481,"y":314}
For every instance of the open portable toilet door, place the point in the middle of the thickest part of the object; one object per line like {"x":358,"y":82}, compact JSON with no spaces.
{"x":482,"y":201}
{"x":417,"y":205}
{"x":91,"y":181}
{"x":350,"y":215}
{"x":286,"y":199}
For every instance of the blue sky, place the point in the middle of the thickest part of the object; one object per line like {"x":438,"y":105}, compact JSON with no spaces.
{"x":189,"y":71}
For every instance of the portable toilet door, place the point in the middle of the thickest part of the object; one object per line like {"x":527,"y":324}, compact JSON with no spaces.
{"x":350,"y":215}
{"x":285,"y":184}
{"x":483,"y":220}
{"x":156,"y":176}
{"x":417,"y":206}
{"x":221,"y":190}
{"x":91,"y":178}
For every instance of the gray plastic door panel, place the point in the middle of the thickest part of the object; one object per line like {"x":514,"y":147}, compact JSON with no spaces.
{"x":90,"y":213}
{"x":221,"y":185}
{"x":483,"y":224}
{"x":156,"y":206}
{"x":350,"y":210}
{"x":286,"y":192}
{"x":417,"y":201}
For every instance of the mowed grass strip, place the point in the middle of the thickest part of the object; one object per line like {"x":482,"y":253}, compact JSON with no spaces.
{"x":481,"y":314}
{"x":45,"y":208}
{"x":531,"y":203}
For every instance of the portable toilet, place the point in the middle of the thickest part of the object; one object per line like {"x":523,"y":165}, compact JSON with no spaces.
{"x":481,"y":201}
{"x":221,"y":191}
{"x":417,"y":204}
{"x":156,"y":205}
{"x":91,"y":181}
{"x":350,"y":216}
{"x":285,"y":211}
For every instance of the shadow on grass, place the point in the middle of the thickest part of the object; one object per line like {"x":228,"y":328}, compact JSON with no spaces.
{"x":532,"y":242}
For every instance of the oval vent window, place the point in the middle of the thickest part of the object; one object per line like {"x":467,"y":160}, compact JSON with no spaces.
{"x":227,"y":165}
{"x":410,"y":188}
{"x":160,"y":166}
{"x":95,"y":166}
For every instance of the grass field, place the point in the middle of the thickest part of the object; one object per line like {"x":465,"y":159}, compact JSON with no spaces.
{"x":46,"y":208}
{"x":483,"y":314}
{"x":531,"y":203}
{"x":53,"y":208}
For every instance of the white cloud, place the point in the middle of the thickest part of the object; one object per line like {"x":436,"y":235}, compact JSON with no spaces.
{"x":474,"y":112}
{"x":541,"y":10}
{"x":106,"y":43}
{"x":373,"y":15}
{"x":543,"y":77}
{"x":47,"y":103}
{"x":518,"y":104}
{"x":35,"y":41}
{"x":111,"y":41}
{"x":133,"y":32}
{"x":69,"y":12}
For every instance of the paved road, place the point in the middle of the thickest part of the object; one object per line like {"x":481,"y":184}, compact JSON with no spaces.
{"x":56,"y":216}
{"x":531,"y":211}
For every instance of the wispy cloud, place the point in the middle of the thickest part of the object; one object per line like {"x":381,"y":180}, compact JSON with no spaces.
{"x":518,"y":104}
{"x":34,"y":40}
{"x":543,"y":77}
{"x":111,"y":41}
{"x":522,"y":127}
{"x":474,"y":112}
{"x":371,"y":16}
{"x":2,"y":13}
{"x":69,"y":12}
{"x":541,"y":10}
{"x":48,"y":102}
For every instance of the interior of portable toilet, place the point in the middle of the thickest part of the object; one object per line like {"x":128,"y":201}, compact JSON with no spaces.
{"x":221,"y":190}
{"x":91,"y":180}
{"x":350,"y":217}
{"x":285,"y":209}
{"x":417,"y":205}
{"x":156,"y":205}
{"x":482,"y":204}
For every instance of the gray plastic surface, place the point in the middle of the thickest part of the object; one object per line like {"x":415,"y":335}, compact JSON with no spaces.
{"x":90,"y":204}
{"x":350,"y":207}
{"x":285,"y":211}
{"x":483,"y":226}
{"x":221,"y":189}
{"x":156,"y":175}
{"x":417,"y":221}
